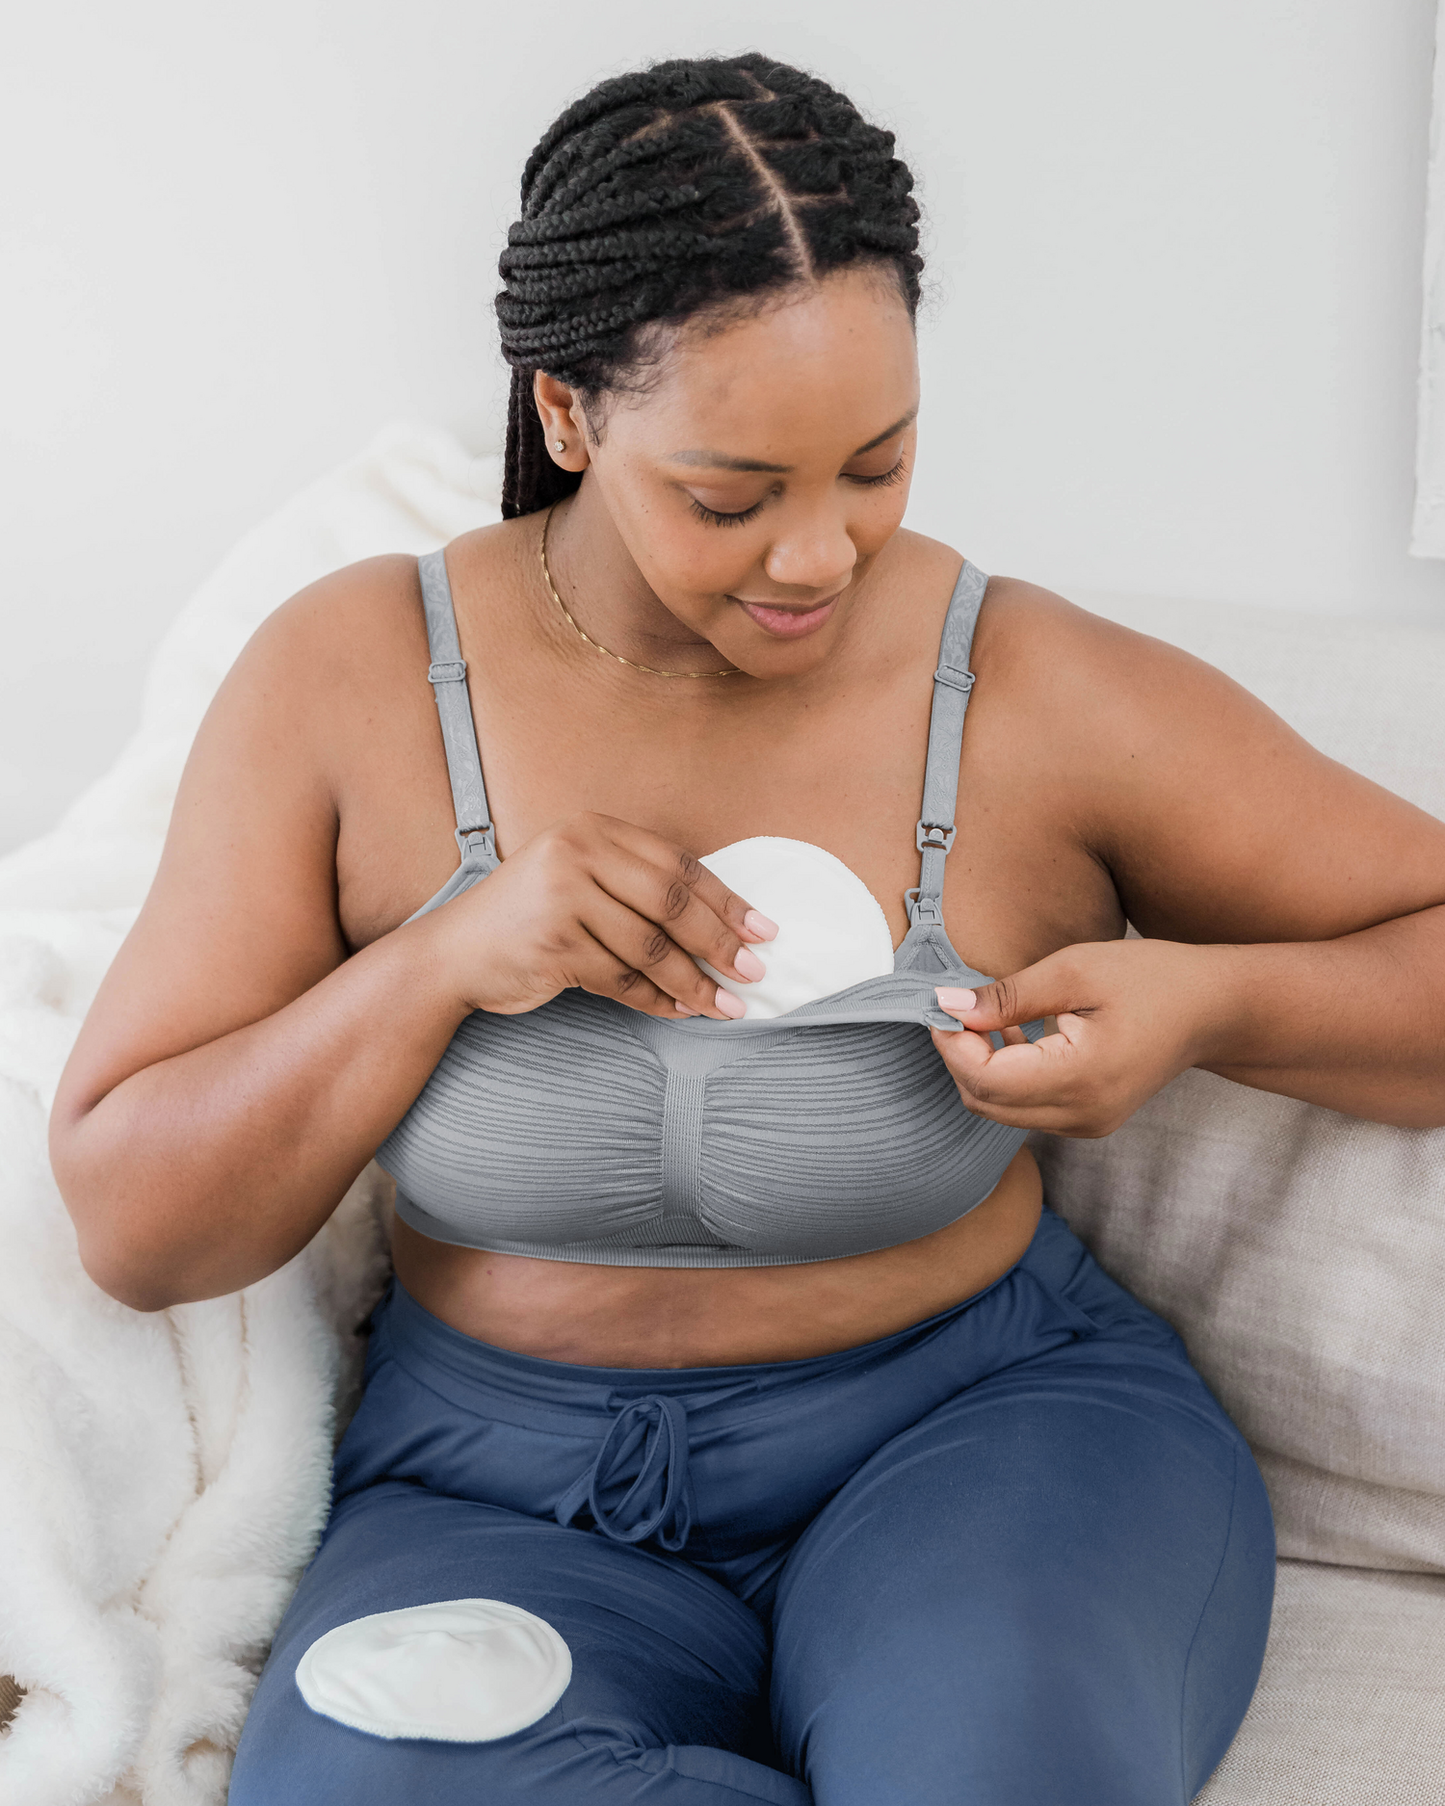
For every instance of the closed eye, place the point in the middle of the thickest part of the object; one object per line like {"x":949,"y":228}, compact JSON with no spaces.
{"x":895,"y":475}
{"x":717,"y":519}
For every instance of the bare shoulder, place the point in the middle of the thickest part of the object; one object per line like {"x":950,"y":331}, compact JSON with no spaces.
{"x":358,"y":627}
{"x":1021,"y":620}
{"x":1216,"y":819}
{"x":1031,"y":639}
{"x":1077,"y":666}
{"x":1120,"y":722}
{"x":341,"y":636}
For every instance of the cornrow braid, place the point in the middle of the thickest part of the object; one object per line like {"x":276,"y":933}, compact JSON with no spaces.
{"x":671,"y":190}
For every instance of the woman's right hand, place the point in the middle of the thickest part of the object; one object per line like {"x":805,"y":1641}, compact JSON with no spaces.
{"x":608,"y":907}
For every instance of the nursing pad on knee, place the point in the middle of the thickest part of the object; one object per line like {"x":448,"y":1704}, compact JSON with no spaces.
{"x":461,"y":1671}
{"x":832,"y":933}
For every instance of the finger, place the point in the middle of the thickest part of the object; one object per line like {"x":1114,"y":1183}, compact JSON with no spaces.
{"x":748,"y":923}
{"x":1056,"y":1091}
{"x":671,"y":887}
{"x":629,"y":942}
{"x":1021,"y":1076}
{"x":602,"y":974}
{"x":1039,"y":990}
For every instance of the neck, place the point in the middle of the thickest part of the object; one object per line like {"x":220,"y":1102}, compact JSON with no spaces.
{"x":608,"y":596}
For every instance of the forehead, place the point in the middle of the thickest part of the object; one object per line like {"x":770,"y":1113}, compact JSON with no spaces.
{"x":826,"y":364}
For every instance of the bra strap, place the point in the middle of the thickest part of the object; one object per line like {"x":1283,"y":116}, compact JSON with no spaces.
{"x":952,"y":685}
{"x":476,"y":837}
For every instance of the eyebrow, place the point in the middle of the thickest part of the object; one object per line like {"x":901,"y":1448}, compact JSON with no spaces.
{"x":714,"y":460}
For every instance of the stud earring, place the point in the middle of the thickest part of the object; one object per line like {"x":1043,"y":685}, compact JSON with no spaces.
{"x":560,"y":444}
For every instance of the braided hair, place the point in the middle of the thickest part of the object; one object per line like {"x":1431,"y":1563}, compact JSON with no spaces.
{"x":693,"y":185}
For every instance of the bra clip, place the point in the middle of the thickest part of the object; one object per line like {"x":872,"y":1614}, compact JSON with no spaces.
{"x":479,"y":840}
{"x":921,"y":909}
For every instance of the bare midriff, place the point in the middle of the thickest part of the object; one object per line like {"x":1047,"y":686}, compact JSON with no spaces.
{"x":598,"y":1316}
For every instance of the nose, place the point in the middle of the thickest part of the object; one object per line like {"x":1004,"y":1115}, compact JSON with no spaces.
{"x":815,"y":554}
{"x":638,"y":1487}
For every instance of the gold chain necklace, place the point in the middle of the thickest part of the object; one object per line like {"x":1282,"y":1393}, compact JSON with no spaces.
{"x":651,"y":670}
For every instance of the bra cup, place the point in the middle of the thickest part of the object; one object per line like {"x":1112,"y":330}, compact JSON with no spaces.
{"x":541,"y":1125}
{"x":817,"y":1141}
{"x":832,"y":932}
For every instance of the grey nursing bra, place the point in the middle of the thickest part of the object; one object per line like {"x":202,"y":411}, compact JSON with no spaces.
{"x":585,"y":1131}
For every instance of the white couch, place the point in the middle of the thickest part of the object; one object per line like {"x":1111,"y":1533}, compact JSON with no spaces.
{"x":164,"y":1478}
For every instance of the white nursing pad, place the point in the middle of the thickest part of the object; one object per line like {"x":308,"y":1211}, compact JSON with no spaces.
{"x":462,"y":1671}
{"x":832,"y":933}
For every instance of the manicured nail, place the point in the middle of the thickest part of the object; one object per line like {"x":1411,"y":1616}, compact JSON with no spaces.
{"x":683,"y":1009}
{"x":729,"y":1005}
{"x":757,"y":923}
{"x":747,"y":964}
{"x":951,"y":997}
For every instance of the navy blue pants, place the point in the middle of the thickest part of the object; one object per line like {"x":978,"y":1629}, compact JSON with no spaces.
{"x":1016,"y":1555}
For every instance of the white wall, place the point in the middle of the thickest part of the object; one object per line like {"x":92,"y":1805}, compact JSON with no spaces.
{"x":1175,"y":254}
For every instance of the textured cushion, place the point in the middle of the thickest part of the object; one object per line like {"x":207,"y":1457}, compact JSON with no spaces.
{"x":1300,"y":1253}
{"x":1351,"y":1705}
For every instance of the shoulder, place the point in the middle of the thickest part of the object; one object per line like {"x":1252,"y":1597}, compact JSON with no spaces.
{"x":1029,"y":634}
{"x":359,"y":618}
{"x":331,"y":682}
{"x":351,"y":616}
{"x":335,"y":679}
{"x":1125,"y":734}
{"x":1031,"y":641}
{"x":359,"y":629}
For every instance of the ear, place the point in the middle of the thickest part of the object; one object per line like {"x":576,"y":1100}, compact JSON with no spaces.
{"x":559,"y":408}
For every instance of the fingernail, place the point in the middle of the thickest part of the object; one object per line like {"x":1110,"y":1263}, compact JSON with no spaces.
{"x":757,"y":923}
{"x":747,"y":964}
{"x":729,"y":1005}
{"x":951,"y":997}
{"x":683,"y":1009}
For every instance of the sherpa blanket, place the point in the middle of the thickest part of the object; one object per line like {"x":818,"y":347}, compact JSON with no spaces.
{"x":164,"y":1476}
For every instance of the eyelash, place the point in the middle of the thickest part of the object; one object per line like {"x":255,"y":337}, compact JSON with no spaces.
{"x":715,"y":519}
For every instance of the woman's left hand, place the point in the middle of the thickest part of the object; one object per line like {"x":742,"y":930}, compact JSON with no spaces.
{"x":1131,"y":1015}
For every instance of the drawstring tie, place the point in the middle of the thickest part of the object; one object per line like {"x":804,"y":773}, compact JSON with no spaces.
{"x":646,"y":1446}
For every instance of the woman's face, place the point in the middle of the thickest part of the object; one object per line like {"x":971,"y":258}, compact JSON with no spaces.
{"x":756,"y":481}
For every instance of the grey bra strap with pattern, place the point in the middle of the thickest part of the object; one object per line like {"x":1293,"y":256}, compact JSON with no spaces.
{"x":476,"y":838}
{"x":952,"y":684}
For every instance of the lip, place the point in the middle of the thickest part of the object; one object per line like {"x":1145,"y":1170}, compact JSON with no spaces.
{"x":788,"y":623}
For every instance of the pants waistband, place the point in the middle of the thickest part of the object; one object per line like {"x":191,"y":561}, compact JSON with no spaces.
{"x":421,"y":1340}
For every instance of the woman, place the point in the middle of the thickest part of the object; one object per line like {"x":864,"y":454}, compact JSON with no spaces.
{"x":739,"y":1426}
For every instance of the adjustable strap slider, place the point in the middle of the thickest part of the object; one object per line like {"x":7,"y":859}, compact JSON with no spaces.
{"x":447,"y":671}
{"x":955,"y":677}
{"x":936,"y":834}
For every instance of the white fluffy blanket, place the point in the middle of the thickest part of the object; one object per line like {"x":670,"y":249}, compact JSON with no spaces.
{"x":164,"y":1476}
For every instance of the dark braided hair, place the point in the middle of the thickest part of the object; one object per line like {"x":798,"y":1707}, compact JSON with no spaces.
{"x":688,"y":186}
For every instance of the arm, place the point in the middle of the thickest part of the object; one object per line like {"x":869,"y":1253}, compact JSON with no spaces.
{"x":230,"y":1081}
{"x":1294,"y":913}
{"x":238,"y":1068}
